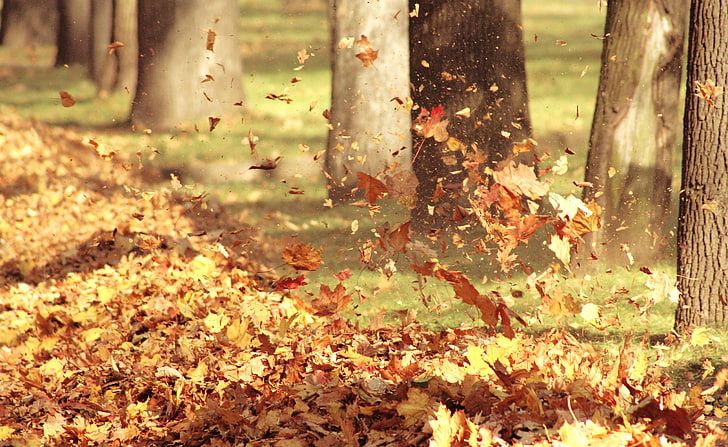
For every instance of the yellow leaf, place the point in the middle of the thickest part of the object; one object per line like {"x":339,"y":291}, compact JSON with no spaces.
{"x":198,"y":374}
{"x":474,"y":355}
{"x":590,"y":312}
{"x":91,"y":335}
{"x":53,"y":426}
{"x":202,"y":267}
{"x":561,"y":248}
{"x":5,"y":432}
{"x":52,"y":368}
{"x":216,"y":322}
{"x":105,"y":294}
{"x":701,"y":336}
{"x":416,"y":407}
{"x":237,"y":333}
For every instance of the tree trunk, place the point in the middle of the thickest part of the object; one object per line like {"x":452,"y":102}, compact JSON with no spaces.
{"x":368,"y":126}
{"x":28,"y":23}
{"x":102,"y":24}
{"x":115,"y":21}
{"x":635,"y":127}
{"x":465,"y":53}
{"x":74,"y":46}
{"x":702,"y":261}
{"x":176,"y":71}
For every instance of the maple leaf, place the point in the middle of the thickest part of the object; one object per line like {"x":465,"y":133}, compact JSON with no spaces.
{"x":708,"y":91}
{"x":288,"y":283}
{"x":521,"y":180}
{"x":429,"y":124}
{"x":302,"y":257}
{"x":66,"y":99}
{"x":397,"y":239}
{"x":302,"y":56}
{"x":367,"y":54}
{"x":330,"y":302}
{"x":373,"y":188}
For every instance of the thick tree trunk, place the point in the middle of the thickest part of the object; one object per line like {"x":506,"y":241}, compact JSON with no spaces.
{"x":635,"y":127}
{"x":465,"y":53}
{"x":115,"y":21}
{"x":368,"y":126}
{"x":702,"y":261}
{"x":74,"y":46}
{"x":102,"y":24}
{"x":174,"y":62}
{"x":28,"y":23}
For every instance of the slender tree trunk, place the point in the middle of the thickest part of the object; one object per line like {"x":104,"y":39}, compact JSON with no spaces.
{"x":368,"y":125}
{"x":115,"y":21}
{"x":74,"y":46}
{"x":102,"y":24}
{"x":180,"y":80}
{"x":465,"y":53}
{"x":702,"y":261}
{"x":635,"y":127}
{"x":28,"y":23}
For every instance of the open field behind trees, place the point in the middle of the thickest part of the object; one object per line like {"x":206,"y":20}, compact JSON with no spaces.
{"x":563,"y":50}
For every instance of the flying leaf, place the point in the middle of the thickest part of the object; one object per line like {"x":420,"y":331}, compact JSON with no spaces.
{"x":373,"y":189}
{"x":302,"y":257}
{"x":708,"y":91}
{"x":66,"y":99}
{"x":267,"y":164}
{"x":113,"y":46}
{"x":330,"y":302}
{"x":210,"y":41}
{"x":561,"y":248}
{"x":288,"y":283}
{"x":367,"y":54}
{"x":214,"y":121}
{"x":521,"y":179}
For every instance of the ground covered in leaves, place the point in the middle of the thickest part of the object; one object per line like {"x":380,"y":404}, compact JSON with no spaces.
{"x":132,"y":315}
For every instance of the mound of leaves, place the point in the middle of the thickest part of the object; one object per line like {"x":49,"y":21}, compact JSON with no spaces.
{"x":132,"y":317}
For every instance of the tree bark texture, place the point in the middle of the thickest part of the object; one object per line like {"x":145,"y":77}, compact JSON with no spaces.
{"x":702,"y":261}
{"x":368,"y":126}
{"x":74,"y":45}
{"x":115,"y":21}
{"x":465,"y":53}
{"x":28,"y":23}
{"x":180,"y":80}
{"x":635,"y":127}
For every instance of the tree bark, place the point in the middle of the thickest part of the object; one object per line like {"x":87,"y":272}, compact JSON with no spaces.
{"x":465,"y":53}
{"x":28,"y":23}
{"x":74,"y":46}
{"x":174,"y":62}
{"x":368,"y":126}
{"x":635,"y":127}
{"x":702,"y":261}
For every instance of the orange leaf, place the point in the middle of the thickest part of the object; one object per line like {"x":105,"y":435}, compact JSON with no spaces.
{"x":66,"y":99}
{"x":302,"y":257}
{"x":368,"y":54}
{"x":330,"y":301}
{"x":210,"y":42}
{"x":373,"y":188}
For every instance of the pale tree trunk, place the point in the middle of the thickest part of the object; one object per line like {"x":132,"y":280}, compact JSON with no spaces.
{"x":702,"y":261}
{"x":465,"y":54}
{"x":635,"y":128}
{"x":115,"y":21}
{"x":74,"y":29}
{"x":102,"y":24}
{"x":28,"y":23}
{"x":370,"y":123}
{"x":174,"y":62}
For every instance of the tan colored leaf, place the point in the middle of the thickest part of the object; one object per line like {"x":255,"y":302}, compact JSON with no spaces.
{"x":302,"y":257}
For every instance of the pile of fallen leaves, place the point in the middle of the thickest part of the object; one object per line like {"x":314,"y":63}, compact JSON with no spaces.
{"x":132,"y":317}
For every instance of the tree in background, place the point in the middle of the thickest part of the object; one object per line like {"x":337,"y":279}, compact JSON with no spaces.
{"x":26,"y":23}
{"x":113,"y":66}
{"x":469,"y":57}
{"x":635,"y":126}
{"x":370,"y":123}
{"x":73,"y":43}
{"x":189,"y":61}
{"x":702,"y":237}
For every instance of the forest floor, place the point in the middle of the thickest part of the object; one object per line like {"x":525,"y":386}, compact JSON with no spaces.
{"x":138,"y":308}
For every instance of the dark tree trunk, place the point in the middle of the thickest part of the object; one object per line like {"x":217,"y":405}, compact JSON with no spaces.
{"x":702,"y":261}
{"x":368,"y":125}
{"x":635,"y":127}
{"x":465,"y":53}
{"x":174,"y":62}
{"x":115,"y":21}
{"x":28,"y":23}
{"x":102,"y":25}
{"x":74,"y":45}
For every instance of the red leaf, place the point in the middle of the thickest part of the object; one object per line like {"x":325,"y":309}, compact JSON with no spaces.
{"x":373,"y":189}
{"x":289,"y":283}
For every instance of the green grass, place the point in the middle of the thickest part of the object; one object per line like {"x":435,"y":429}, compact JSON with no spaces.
{"x":560,"y":80}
